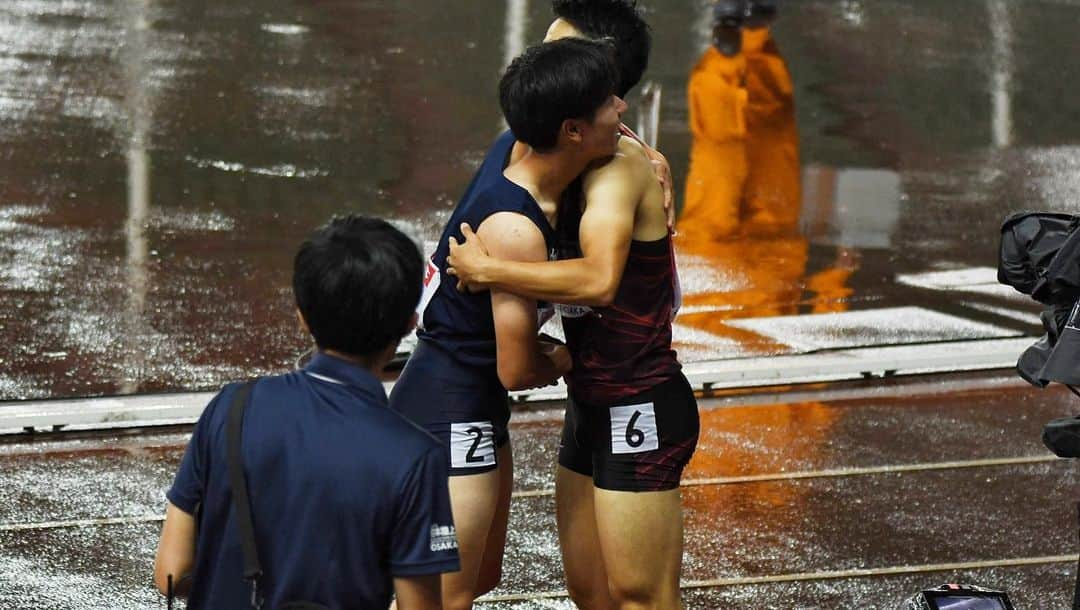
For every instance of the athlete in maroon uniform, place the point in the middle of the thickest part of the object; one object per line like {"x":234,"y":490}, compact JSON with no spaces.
{"x":626,"y":383}
{"x":625,"y":348}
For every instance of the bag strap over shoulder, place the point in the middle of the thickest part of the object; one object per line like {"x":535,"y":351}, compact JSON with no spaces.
{"x":241,"y":502}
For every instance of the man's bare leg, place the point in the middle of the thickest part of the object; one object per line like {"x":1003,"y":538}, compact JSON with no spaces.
{"x":583,"y":562}
{"x":474,"y":500}
{"x":491,"y":564}
{"x":641,"y":539}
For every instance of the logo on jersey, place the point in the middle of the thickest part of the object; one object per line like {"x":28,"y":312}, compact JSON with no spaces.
{"x":573,"y":311}
{"x":432,"y":280}
{"x":443,"y":538}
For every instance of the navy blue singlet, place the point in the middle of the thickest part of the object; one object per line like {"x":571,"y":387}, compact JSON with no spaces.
{"x":462,"y":323}
{"x":450,"y":385}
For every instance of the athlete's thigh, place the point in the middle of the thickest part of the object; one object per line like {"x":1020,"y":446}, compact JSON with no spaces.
{"x":474,"y":501}
{"x":640,"y":537}
{"x":491,"y":564}
{"x":640,"y":447}
{"x":579,"y":540}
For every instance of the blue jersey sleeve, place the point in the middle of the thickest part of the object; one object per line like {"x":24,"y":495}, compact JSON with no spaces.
{"x":424,"y":540}
{"x":188,"y":486}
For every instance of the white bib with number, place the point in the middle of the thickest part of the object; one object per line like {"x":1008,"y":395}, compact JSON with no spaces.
{"x":633,"y":429}
{"x":472,"y":444}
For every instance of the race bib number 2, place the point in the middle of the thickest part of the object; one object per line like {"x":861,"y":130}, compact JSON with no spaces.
{"x":633,"y":429}
{"x":472,"y":444}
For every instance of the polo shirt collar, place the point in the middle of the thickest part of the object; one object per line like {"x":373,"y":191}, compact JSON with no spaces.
{"x":327,"y":368}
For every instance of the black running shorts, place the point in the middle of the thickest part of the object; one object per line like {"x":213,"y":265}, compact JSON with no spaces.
{"x":640,"y":444}
{"x":466,"y":408}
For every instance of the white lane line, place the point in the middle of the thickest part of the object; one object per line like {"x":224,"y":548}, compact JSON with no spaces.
{"x":852,"y":472}
{"x":811,"y":576}
{"x":47,"y":525}
{"x":538,"y":493}
{"x":840,"y":472}
{"x":886,"y":571}
{"x":105,"y":413}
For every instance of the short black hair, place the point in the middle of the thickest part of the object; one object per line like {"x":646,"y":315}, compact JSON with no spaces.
{"x":555,"y":81}
{"x":620,"y":20}
{"x":357,"y":282}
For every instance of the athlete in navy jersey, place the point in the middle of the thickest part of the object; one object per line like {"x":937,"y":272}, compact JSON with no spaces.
{"x":559,"y":98}
{"x":631,"y":423}
{"x":461,"y":322}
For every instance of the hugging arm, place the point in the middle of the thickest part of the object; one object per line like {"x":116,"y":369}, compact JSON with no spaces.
{"x":522,"y":361}
{"x":607,"y":228}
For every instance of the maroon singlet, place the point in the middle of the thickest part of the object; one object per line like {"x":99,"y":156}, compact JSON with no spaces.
{"x":625,"y":349}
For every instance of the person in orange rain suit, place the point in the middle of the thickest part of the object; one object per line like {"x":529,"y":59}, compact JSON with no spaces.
{"x":743,"y":192}
{"x":772,"y":196}
{"x":740,"y":217}
{"x":744,"y":162}
{"x":718,"y":162}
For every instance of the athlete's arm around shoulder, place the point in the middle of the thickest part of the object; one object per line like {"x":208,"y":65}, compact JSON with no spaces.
{"x":522,"y":360}
{"x":613,"y":196}
{"x":612,"y":193}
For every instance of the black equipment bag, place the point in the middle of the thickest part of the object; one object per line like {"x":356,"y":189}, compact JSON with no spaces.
{"x":242,"y":504}
{"x":1040,"y":256}
{"x":1062,"y":436}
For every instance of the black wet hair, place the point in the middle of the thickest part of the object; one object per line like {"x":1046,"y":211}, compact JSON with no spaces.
{"x":357,"y":281}
{"x":555,"y":81}
{"x":620,"y":20}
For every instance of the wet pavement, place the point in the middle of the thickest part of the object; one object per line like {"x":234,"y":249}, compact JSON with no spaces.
{"x":161,"y":159}
{"x":851,"y":496}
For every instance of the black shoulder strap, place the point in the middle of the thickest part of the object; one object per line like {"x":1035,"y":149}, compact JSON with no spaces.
{"x":241,"y":503}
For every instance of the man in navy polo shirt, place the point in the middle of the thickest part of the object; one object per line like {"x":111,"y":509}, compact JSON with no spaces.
{"x":349,"y":499}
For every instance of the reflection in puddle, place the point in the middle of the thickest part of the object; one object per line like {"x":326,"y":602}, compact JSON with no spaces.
{"x":1001,"y":79}
{"x":751,"y":213}
{"x":742,"y":253}
{"x":138,"y":174}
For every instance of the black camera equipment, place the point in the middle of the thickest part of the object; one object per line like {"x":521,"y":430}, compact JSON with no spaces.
{"x":1040,"y":257}
{"x":960,"y":597}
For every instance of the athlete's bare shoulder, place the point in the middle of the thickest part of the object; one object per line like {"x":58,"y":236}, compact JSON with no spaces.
{"x":628,"y":166}
{"x":512,"y":236}
{"x":632,"y":150}
{"x":629,"y":181}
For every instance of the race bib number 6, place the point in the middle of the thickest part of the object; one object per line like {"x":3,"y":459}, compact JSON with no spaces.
{"x":633,"y":429}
